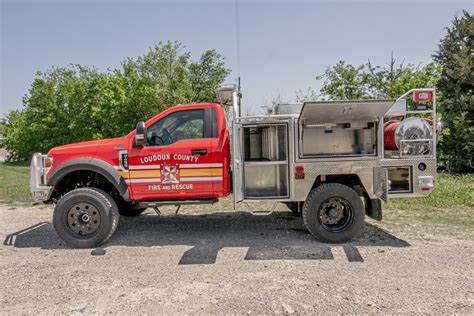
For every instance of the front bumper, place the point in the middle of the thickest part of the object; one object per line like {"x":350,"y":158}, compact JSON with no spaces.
{"x":40,"y":191}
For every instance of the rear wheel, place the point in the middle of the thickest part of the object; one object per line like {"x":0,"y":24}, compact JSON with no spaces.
{"x":85,"y":217}
{"x":333,"y":213}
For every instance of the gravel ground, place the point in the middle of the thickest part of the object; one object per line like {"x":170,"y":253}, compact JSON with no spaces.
{"x":228,"y":262}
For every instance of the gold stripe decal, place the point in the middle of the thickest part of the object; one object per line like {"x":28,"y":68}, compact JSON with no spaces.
{"x":201,"y":172}
{"x":192,"y":172}
{"x":136,"y":174}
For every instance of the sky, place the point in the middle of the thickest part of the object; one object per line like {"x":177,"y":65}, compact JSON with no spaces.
{"x":284,"y":45}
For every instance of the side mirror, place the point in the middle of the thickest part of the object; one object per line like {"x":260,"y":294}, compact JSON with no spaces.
{"x":140,"y":134}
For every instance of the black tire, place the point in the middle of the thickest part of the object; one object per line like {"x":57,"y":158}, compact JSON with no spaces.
{"x":130,"y":211}
{"x":75,"y":207}
{"x":295,"y":207}
{"x":333,"y":213}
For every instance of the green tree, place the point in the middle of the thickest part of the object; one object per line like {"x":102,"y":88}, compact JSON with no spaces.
{"x":344,"y":81}
{"x":393,"y":80}
{"x":455,"y":55}
{"x":60,"y":106}
{"x":3,"y":126}
{"x":76,"y":103}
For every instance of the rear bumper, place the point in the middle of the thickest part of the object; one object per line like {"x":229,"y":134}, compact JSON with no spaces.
{"x":40,"y":191}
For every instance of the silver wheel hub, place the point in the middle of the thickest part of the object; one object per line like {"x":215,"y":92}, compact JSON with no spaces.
{"x":83,"y":219}
{"x":332,"y":211}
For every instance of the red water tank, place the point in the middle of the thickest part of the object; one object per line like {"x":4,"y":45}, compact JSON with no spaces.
{"x":389,"y":129}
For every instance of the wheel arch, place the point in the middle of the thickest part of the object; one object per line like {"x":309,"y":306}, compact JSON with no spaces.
{"x":92,"y":165}
{"x":361,"y":185}
{"x":351,"y":180}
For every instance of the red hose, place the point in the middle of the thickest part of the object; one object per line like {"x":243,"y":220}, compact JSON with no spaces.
{"x":389,"y":129}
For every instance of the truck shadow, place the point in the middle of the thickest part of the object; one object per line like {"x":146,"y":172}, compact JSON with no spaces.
{"x":280,"y":236}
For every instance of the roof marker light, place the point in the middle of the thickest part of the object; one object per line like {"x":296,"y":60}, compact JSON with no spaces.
{"x":423,"y":96}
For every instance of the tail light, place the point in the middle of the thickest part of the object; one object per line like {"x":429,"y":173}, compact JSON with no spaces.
{"x":299,"y":172}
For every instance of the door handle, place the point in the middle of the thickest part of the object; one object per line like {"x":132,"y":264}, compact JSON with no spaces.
{"x":198,"y":152}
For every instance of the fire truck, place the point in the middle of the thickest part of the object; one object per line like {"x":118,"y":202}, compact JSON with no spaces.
{"x":332,"y":162}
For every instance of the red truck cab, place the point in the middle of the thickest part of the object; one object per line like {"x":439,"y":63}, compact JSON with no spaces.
{"x":185,"y":155}
{"x":181,"y":154}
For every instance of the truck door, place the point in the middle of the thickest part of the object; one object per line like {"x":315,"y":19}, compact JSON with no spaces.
{"x":220,"y":152}
{"x":237,"y":163}
{"x":176,"y":161}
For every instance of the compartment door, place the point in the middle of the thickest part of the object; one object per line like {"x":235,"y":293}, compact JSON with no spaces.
{"x":237,"y":163}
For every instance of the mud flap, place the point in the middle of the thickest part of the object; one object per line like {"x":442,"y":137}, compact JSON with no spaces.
{"x":373,"y":208}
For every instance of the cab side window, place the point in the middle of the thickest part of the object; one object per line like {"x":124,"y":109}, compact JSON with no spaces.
{"x":181,"y":125}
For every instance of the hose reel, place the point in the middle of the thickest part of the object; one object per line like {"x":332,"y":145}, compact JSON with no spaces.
{"x":412,"y":137}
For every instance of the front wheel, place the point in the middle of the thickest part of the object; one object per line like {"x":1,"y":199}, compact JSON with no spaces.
{"x":333,"y":213}
{"x":85,"y":217}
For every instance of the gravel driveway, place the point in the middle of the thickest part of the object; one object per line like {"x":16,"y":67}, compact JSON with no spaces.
{"x":228,"y":262}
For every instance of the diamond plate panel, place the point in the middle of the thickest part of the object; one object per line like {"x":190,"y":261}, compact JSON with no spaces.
{"x":365,"y":170}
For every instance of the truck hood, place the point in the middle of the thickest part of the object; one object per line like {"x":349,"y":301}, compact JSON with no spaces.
{"x":87,"y":147}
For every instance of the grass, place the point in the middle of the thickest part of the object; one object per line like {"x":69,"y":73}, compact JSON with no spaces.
{"x":449,"y":210}
{"x":450,"y":191}
{"x":14,"y":182}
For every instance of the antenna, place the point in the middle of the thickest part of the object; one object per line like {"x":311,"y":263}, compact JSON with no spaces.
{"x":239,"y":96}
{"x":237,"y":38}
{"x":237,"y":35}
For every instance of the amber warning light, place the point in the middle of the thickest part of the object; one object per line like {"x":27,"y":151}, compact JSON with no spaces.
{"x":47,"y":162}
{"x":423,"y":96}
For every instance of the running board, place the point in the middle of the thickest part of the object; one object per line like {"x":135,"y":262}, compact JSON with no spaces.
{"x":261,"y":213}
{"x":176,"y":202}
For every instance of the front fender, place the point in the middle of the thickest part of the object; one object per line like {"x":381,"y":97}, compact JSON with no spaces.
{"x":91,"y":164}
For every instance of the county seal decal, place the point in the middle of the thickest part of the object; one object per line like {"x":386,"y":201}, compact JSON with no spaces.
{"x":170,"y":174}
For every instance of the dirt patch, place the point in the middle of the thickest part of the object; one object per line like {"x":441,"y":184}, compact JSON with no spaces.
{"x":228,"y":262}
